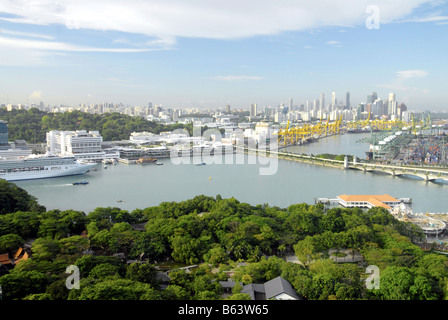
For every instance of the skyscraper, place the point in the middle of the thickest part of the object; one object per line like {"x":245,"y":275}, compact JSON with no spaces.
{"x":392,"y":104}
{"x":333,"y":99}
{"x":253,"y":110}
{"x":347,"y":100}
{"x":372,"y":97}
{"x":322,"y":101}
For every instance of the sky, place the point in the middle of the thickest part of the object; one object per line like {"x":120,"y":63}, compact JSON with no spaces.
{"x":202,"y":53}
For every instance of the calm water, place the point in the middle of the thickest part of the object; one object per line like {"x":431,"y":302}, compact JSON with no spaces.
{"x":141,"y":186}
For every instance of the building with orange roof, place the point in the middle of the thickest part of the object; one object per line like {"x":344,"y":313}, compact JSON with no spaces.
{"x":368,"y":201}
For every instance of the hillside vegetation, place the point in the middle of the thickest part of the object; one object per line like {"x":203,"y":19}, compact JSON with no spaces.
{"x":119,"y":251}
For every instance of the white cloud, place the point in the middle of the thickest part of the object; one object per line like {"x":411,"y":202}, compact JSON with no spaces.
{"x":35,"y":95}
{"x":25,"y":34}
{"x":427,"y":19}
{"x":237,"y":78}
{"x":218,"y":19}
{"x":334,"y":43}
{"x":400,"y":82}
{"x":408,"y":74}
{"x":59,"y":46}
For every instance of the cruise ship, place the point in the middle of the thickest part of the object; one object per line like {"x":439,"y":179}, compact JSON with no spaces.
{"x":39,"y":167}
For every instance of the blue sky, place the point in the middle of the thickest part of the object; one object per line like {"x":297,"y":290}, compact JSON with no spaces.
{"x":212,"y":53}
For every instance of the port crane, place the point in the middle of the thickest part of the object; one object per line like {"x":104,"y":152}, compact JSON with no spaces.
{"x":298,"y":134}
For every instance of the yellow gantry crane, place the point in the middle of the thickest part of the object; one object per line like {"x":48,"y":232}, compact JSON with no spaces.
{"x":377,"y":124}
{"x":293,"y":135}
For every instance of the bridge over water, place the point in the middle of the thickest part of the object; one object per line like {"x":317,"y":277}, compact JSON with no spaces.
{"x":425,"y":173}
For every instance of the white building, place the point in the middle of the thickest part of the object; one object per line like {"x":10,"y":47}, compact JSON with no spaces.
{"x":144,"y":137}
{"x":279,"y":117}
{"x":81,"y":144}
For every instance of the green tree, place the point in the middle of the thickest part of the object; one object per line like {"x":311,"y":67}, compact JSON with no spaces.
{"x":118,"y":289}
{"x":58,"y":290}
{"x":216,"y":255}
{"x":45,"y":249}
{"x":402,"y":283}
{"x":38,"y":296}
{"x":306,"y":251}
{"x":104,"y":270}
{"x":14,"y":198}
{"x":175,"y":292}
{"x":239,"y":296}
{"x":19,"y":284}
{"x":25,"y":224}
{"x":10,"y":243}
{"x":74,"y":245}
{"x":143,"y":272}
{"x":87,"y":263}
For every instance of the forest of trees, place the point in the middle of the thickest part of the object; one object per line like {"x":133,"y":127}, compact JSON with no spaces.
{"x":33,"y":124}
{"x":215,"y":234}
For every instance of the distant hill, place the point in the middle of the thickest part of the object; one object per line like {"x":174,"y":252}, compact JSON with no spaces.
{"x":33,"y":124}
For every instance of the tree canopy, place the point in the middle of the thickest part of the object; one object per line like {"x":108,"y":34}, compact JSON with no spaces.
{"x":33,"y":124}
{"x":116,"y":260}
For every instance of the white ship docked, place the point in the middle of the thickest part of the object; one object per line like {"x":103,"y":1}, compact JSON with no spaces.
{"x":39,"y":167}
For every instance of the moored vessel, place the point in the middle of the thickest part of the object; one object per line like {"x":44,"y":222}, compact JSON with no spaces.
{"x":40,"y":167}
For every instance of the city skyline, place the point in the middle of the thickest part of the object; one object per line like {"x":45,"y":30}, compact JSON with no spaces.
{"x":228,"y":53}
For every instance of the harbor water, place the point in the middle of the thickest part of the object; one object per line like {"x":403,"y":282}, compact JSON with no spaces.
{"x":131,"y":187}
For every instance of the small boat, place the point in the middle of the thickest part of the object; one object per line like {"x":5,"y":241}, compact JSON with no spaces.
{"x":105,"y":167}
{"x":159,"y":163}
{"x":80,"y":182}
{"x":146,"y":160}
{"x":200,"y":164}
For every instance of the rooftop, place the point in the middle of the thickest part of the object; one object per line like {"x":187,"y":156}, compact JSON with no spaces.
{"x":382,"y":200}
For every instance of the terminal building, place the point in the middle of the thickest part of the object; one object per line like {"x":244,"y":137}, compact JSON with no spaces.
{"x":81,"y":144}
{"x":368,"y":201}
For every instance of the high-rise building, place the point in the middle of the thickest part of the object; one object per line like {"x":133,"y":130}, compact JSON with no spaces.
{"x":347,"y":100}
{"x":401,"y":109}
{"x":378,"y":108}
{"x":391,"y":96}
{"x":228,"y":108}
{"x":322,"y":101}
{"x":308,"y":105}
{"x":392,"y":109}
{"x":253,"y":110}
{"x":372,"y":97}
{"x":3,"y":133}
{"x":333,"y":99}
